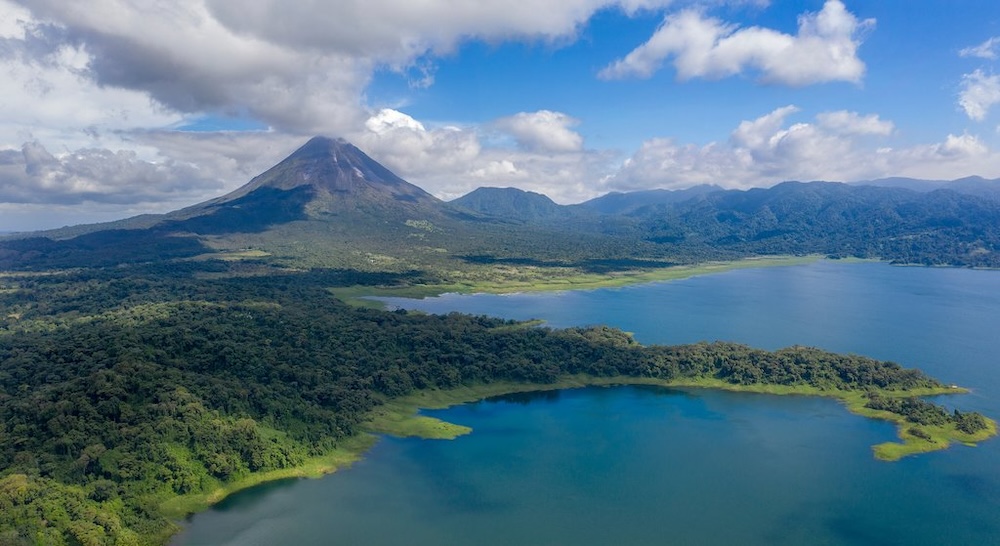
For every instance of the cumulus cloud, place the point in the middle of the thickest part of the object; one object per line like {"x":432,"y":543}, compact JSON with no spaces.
{"x":985,"y":50}
{"x":179,"y":55}
{"x":47,"y":95}
{"x":99,"y":184}
{"x":498,"y":170}
{"x":400,"y":29}
{"x":300,"y":67}
{"x":102,"y":176}
{"x":845,"y":122}
{"x":824,"y":50}
{"x":12,"y":20}
{"x":406,"y":146}
{"x":836,"y":146}
{"x":450,"y":161}
{"x":979,"y":93}
{"x":543,"y":131}
{"x":111,"y":77}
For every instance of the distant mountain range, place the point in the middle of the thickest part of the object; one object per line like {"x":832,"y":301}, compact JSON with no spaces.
{"x":972,"y":185}
{"x":330,"y":205}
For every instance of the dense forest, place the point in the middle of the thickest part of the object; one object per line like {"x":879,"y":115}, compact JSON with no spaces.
{"x":122,"y":387}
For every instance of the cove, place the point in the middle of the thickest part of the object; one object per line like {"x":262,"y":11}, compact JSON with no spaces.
{"x":659,"y":466}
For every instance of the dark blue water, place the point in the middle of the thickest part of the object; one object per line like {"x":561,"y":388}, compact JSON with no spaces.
{"x":654,"y":466}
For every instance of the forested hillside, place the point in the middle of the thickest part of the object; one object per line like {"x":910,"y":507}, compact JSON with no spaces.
{"x":941,"y":227}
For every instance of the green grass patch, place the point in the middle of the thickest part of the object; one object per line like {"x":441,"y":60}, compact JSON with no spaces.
{"x":234,"y":255}
{"x":349,"y":451}
{"x":506,"y":280}
{"x":401,"y":420}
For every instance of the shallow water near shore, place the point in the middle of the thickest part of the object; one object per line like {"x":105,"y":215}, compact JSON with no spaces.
{"x":643,"y":465}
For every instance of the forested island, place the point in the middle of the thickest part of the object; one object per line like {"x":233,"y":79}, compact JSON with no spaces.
{"x":132,"y":395}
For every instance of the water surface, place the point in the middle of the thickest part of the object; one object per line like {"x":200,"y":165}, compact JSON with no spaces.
{"x":637,"y":465}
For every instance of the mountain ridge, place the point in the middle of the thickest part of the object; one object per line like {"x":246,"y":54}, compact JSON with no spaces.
{"x":512,"y":204}
{"x":328,"y":204}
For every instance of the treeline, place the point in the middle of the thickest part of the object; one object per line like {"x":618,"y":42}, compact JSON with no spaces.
{"x":119,"y":392}
{"x":923,"y":412}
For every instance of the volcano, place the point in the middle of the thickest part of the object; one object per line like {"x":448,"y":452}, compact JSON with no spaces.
{"x":324,"y":177}
{"x":334,"y":169}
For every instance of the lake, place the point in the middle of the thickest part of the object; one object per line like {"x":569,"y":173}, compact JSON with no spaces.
{"x":633,"y":465}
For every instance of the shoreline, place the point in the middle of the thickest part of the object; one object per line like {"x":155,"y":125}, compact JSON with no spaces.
{"x":940,"y":437}
{"x":361,"y":296}
{"x":401,"y":417}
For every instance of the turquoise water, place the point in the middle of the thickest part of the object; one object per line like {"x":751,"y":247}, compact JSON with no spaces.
{"x":634,"y":465}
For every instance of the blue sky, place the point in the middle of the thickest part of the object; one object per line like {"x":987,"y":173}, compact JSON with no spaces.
{"x":113,"y":108}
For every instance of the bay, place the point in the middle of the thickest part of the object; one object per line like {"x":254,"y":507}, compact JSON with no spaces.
{"x":659,"y":466}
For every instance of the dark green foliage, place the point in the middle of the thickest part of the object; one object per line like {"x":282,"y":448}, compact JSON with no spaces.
{"x":512,"y":204}
{"x":923,"y":412}
{"x":98,"y":249}
{"x":915,"y":410}
{"x":969,"y":423}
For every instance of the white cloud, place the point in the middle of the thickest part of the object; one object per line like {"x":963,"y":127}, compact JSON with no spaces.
{"x":12,"y":20}
{"x":838,"y":146}
{"x":824,"y":50}
{"x":962,"y":146}
{"x":299,"y":67}
{"x":91,"y":175}
{"x":413,"y":151}
{"x":979,"y":93}
{"x":99,"y":184}
{"x":985,"y":50}
{"x":48,"y":97}
{"x":543,"y":131}
{"x":758,"y":133}
{"x":401,"y":30}
{"x":498,"y":170}
{"x":845,"y":122}
{"x":451,"y":161}
{"x":183,"y":58}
